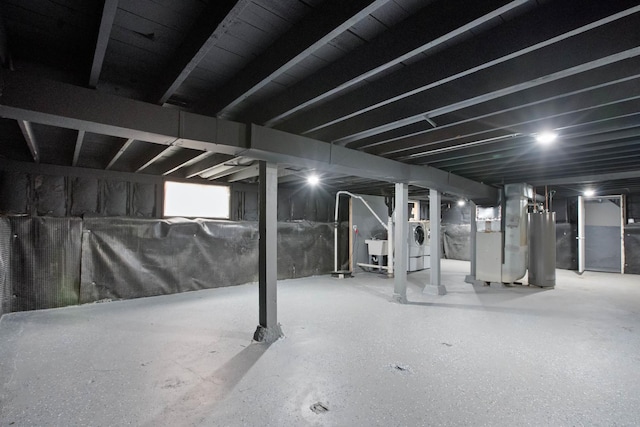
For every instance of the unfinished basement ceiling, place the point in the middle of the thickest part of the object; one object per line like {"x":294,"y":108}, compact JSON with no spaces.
{"x":459,"y":86}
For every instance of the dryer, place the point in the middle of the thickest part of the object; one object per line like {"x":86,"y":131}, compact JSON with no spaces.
{"x":418,"y":245}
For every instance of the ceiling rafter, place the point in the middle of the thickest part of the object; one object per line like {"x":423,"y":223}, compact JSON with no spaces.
{"x":30,"y":139}
{"x":417,"y":35}
{"x":443,"y":101}
{"x":321,"y":25}
{"x":501,"y":127}
{"x":120,"y":152}
{"x":206,"y":165}
{"x":104,"y":33}
{"x":510,"y":119}
{"x":183,"y":163}
{"x":213,"y":22}
{"x":518,"y":37}
{"x":78,"y":147}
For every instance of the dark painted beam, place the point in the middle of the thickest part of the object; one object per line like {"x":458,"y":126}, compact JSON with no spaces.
{"x":321,"y":25}
{"x":179,"y":159}
{"x":533,"y":31}
{"x":63,"y":105}
{"x":213,"y":22}
{"x":156,"y":158}
{"x":30,"y":139}
{"x":612,"y":82}
{"x":78,"y":148}
{"x":59,"y":104}
{"x":205,"y":165}
{"x":273,"y":145}
{"x":494,"y":128}
{"x":120,"y":152}
{"x":552,"y":64}
{"x":420,"y":33}
{"x":590,"y":178}
{"x":104,"y":33}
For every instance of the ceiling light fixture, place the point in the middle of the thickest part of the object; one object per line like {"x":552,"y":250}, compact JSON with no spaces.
{"x":546,"y":137}
{"x":461,"y":202}
{"x":313,"y":179}
{"x":589,"y":192}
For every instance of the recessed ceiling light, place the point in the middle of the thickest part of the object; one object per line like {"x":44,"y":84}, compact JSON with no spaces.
{"x":313,"y":179}
{"x":589,"y":192}
{"x":546,"y":137}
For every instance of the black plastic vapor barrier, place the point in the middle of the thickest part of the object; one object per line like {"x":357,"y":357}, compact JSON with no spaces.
{"x":566,"y":246}
{"x":5,"y":247}
{"x":632,"y":248}
{"x":44,"y":262}
{"x":129,"y":258}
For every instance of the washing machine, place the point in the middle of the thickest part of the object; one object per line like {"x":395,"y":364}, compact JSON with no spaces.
{"x":418,"y":242}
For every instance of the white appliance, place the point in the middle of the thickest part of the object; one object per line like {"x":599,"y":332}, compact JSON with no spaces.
{"x":418,"y":242}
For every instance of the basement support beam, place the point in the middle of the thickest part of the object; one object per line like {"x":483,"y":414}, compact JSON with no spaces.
{"x":38,"y":100}
{"x":400,"y":243}
{"x":435,"y":286}
{"x":104,"y":33}
{"x":76,"y":151}
{"x":269,"y":329}
{"x":29,"y":137}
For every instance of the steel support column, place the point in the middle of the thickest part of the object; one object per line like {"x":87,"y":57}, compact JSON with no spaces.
{"x":268,"y":330}
{"x":581,"y":231}
{"x":471,"y":278}
{"x":435,"y":244}
{"x":400,"y":244}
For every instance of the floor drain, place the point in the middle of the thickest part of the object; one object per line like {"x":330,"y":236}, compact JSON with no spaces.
{"x":319,"y":408}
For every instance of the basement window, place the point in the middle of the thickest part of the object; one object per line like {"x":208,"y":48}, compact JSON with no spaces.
{"x":196,"y":200}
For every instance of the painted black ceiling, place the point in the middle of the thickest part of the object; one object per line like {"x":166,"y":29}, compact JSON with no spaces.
{"x":463,"y":86}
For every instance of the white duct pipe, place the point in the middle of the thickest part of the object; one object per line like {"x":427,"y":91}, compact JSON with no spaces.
{"x":335,"y":223}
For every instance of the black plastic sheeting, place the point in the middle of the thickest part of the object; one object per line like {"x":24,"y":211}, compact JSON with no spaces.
{"x":632,"y":248}
{"x":45,"y":262}
{"x":566,"y":246}
{"x":126,"y":258}
{"x":5,"y":247}
{"x":456,"y":241}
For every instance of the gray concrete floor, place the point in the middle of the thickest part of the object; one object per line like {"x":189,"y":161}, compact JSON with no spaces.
{"x":476,"y":356}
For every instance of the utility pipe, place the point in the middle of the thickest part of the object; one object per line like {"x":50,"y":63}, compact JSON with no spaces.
{"x":335,"y":223}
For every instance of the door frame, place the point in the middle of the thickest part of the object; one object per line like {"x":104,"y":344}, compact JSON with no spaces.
{"x":581,"y":228}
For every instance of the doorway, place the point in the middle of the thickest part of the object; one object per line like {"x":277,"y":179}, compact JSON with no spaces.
{"x":603,"y":234}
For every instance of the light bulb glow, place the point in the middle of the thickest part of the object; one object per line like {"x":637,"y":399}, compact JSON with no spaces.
{"x":313,"y":179}
{"x":461,"y":202}
{"x":589,"y":192}
{"x":546,"y":137}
